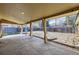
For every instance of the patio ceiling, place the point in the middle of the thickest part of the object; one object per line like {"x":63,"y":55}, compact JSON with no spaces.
{"x":24,"y":13}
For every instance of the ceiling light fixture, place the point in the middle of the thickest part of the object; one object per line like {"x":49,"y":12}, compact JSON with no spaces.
{"x":22,"y":13}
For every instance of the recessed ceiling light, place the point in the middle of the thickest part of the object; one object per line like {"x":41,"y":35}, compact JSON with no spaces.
{"x":22,"y":13}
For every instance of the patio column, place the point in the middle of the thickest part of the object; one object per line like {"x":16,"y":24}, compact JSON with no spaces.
{"x":0,"y":30}
{"x":21,"y":27}
{"x":77,"y":31}
{"x":76,"y":39}
{"x":30,"y":28}
{"x":44,"y":30}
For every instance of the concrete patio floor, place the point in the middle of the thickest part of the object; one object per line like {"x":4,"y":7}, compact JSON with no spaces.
{"x":64,"y":38}
{"x":22,"y":44}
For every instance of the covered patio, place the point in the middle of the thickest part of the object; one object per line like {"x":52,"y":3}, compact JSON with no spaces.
{"x":40,"y":42}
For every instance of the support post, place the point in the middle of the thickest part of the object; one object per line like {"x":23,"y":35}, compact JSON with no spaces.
{"x":77,"y":23}
{"x":30,"y":28}
{"x":21,"y":29}
{"x":44,"y":30}
{"x":0,"y":30}
{"x":76,"y":39}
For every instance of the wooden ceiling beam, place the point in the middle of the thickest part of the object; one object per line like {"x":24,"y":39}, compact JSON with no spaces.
{"x":6,"y":21}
